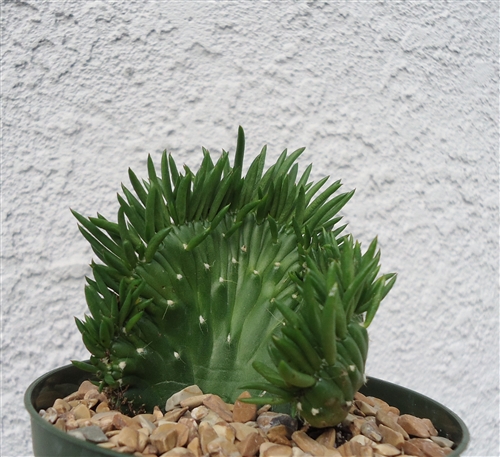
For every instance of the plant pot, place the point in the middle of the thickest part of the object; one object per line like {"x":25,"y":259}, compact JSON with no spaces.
{"x":52,"y":442}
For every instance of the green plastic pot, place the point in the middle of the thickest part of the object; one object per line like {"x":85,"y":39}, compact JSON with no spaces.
{"x":51,"y":442}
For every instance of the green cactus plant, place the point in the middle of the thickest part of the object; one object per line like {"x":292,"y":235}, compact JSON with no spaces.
{"x":231,"y":282}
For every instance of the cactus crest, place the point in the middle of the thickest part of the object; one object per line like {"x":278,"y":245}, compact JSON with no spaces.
{"x":231,"y":282}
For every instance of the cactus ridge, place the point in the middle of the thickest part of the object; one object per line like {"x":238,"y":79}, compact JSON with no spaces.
{"x":212,"y":277}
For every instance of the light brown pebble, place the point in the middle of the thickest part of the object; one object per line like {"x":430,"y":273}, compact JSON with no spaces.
{"x":207,"y":434}
{"x":428,"y":447}
{"x":363,"y":440}
{"x":350,"y":448}
{"x":430,"y":427}
{"x":223,"y":447}
{"x":365,"y":408}
{"x":386,"y":449}
{"x":157,"y":413}
{"x":107,"y":445}
{"x":242,"y":430}
{"x":192,"y":426}
{"x":194,"y":401}
{"x":61,"y":406}
{"x":51,"y":415}
{"x":194,"y":446}
{"x":307,"y":444}
{"x":102,"y":407}
{"x":225,"y":431}
{"x":128,"y":437}
{"x":199,"y":413}
{"x":279,"y":435}
{"x":249,"y":446}
{"x":371,"y":431}
{"x":178,"y":452}
{"x":181,"y":430}
{"x":440,"y":440}
{"x":81,"y":412}
{"x":277,"y":450}
{"x":390,"y":436}
{"x":388,"y":420}
{"x":175,"y":399}
{"x":327,"y":438}
{"x":61,"y":424}
{"x":85,"y":386}
{"x":164,"y":440}
{"x":218,"y":406}
{"x":414,"y":426}
{"x":263,"y":409}
{"x":175,"y":414}
{"x":244,"y":412}
{"x":121,"y":421}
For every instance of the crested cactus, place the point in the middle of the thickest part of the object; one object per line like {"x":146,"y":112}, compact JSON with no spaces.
{"x":230,"y":282}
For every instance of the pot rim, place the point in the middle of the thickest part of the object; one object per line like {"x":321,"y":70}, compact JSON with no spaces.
{"x":50,"y":428}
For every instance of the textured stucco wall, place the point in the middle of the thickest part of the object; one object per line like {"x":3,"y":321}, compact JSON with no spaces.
{"x":398,"y":99}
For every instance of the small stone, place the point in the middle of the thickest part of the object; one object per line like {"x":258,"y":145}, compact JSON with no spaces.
{"x":327,"y":438}
{"x":386,"y":449}
{"x":410,"y":448}
{"x":121,"y":421}
{"x":94,"y":433}
{"x":192,"y":426}
{"x":181,"y":430}
{"x":350,"y":448}
{"x":179,"y":452}
{"x":371,"y":431}
{"x":443,"y":442}
{"x":77,"y":434}
{"x":277,"y":450}
{"x":107,"y":445}
{"x":81,"y":412}
{"x":271,"y":419}
{"x":414,"y":426}
{"x":222,"y":447}
{"x":365,"y":408}
{"x":61,"y":406}
{"x":158,"y":415}
{"x":428,"y":447}
{"x":175,"y":399}
{"x":249,"y":445}
{"x":194,"y":401}
{"x":363,"y":440}
{"x":279,"y":435}
{"x":164,"y":440}
{"x":263,"y":409}
{"x":128,"y":437}
{"x":61,"y":424}
{"x":207,"y":434}
{"x":430,"y":427}
{"x":85,"y":386}
{"x":244,"y":412}
{"x":51,"y":415}
{"x":217,"y":405}
{"x":102,"y":407}
{"x":390,"y":436}
{"x":307,"y":444}
{"x":194,"y":447}
{"x":199,"y":413}
{"x":142,"y":439}
{"x":145,"y":421}
{"x":388,"y":420}
{"x":225,"y":431}
{"x":242,"y":430}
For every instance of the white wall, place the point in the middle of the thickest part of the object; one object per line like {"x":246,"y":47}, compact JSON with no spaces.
{"x":399,"y":99}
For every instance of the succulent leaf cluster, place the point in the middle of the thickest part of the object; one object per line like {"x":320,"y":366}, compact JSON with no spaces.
{"x":230,"y":282}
